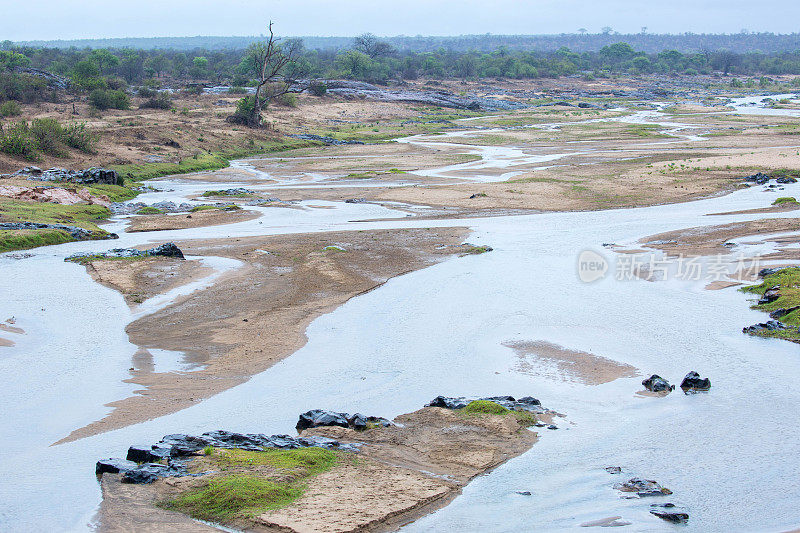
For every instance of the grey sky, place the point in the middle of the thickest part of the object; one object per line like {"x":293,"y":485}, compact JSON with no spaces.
{"x":74,"y":19}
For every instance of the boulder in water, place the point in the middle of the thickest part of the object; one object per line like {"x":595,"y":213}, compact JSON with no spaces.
{"x":656,"y":383}
{"x":694,"y":383}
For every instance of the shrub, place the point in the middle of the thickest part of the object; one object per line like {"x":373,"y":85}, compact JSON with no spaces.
{"x":23,"y":88}
{"x":288,"y":99}
{"x":318,"y":88}
{"x":109,"y":99}
{"x":49,"y":136}
{"x":160,"y":100}
{"x":785,"y":200}
{"x":116,"y":83}
{"x":146,"y":92}
{"x":10,"y":109}
{"x":16,"y":140}
{"x":78,"y":136}
{"x":237,"y":90}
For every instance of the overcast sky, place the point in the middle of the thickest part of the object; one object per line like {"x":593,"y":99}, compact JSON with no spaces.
{"x":75,"y":19}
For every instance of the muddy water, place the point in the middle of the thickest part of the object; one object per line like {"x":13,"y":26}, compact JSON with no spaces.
{"x":715,"y":451}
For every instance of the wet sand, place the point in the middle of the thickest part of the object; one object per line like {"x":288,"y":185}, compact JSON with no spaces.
{"x":209,"y":217}
{"x":255,"y":316}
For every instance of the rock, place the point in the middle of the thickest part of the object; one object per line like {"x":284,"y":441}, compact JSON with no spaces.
{"x":357,"y":421}
{"x":90,"y":175}
{"x":587,"y":105}
{"x":79,"y":234}
{"x":552,"y":426}
{"x":642,"y":487}
{"x":524,"y":492}
{"x":168,"y":249}
{"x":164,"y":250}
{"x":614,"y":469}
{"x":656,"y":383}
{"x":786,"y":179}
{"x":693,"y":383}
{"x":114,"y":466}
{"x":783,"y":311}
{"x":320,"y":417}
{"x":669,"y":512}
{"x":770,"y":295}
{"x":759,"y":178}
{"x":764,"y":272}
{"x":769,"y":325}
{"x":146,"y":454}
{"x":526,"y":403}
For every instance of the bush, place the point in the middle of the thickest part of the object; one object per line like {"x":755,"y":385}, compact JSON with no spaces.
{"x":16,"y":140}
{"x":10,"y":109}
{"x":485,"y":407}
{"x":23,"y":88}
{"x":77,"y":136}
{"x":49,"y":136}
{"x":160,"y":100}
{"x":146,"y":92}
{"x":109,"y":99}
{"x":116,"y":83}
{"x":288,"y":99}
{"x":318,"y":88}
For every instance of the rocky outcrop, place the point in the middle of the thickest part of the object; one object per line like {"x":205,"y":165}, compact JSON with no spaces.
{"x":361,"y":90}
{"x":167,"y":249}
{"x":770,"y":295}
{"x":642,"y":487}
{"x":769,"y":325}
{"x":783,"y":311}
{"x":527,"y":403}
{"x":322,"y":418}
{"x":694,"y":383}
{"x":323,"y":139}
{"x":53,"y":80}
{"x":56,"y":195}
{"x":79,"y":234}
{"x":669,"y":512}
{"x":141,"y":466}
{"x":90,"y":175}
{"x":656,"y":383}
{"x":759,"y":178}
{"x":131,"y":208}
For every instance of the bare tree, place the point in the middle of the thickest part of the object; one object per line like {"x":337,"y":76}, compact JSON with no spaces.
{"x":372,"y":46}
{"x":271,"y":63}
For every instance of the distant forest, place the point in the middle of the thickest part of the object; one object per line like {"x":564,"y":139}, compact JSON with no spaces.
{"x":29,"y":73}
{"x":578,"y":42}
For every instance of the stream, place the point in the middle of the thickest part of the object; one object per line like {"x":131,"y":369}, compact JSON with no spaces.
{"x":730,"y":456}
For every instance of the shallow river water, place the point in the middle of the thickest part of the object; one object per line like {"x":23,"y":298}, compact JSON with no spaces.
{"x":730,"y":456}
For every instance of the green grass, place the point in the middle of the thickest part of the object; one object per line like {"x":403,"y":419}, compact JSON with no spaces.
{"x":25,"y":239}
{"x":207,"y":161}
{"x":475,"y":250}
{"x":785,"y":200}
{"x":788,"y":280}
{"x":237,"y":495}
{"x":84,"y":216}
{"x":145,"y":171}
{"x":115,"y":193}
{"x":486,"y":407}
{"x":147,"y":210}
{"x":214,"y":207}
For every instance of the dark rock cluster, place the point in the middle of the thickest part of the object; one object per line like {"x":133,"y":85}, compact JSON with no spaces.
{"x":526,"y":403}
{"x":323,"y":139}
{"x":141,"y":464}
{"x":656,"y":383}
{"x":320,"y":417}
{"x":167,"y":249}
{"x":88,"y":176}
{"x":691,"y":383}
{"x":79,"y":234}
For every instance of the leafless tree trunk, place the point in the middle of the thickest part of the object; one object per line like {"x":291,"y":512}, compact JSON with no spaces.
{"x":270,"y":61}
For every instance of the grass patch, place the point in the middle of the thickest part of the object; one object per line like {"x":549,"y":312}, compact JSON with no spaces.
{"x":149,"y":210}
{"x":24,"y":239}
{"x":785,"y":200}
{"x":238,"y":493}
{"x":788,"y":279}
{"x":115,"y":193}
{"x":84,"y":216}
{"x":145,"y":171}
{"x":223,"y":193}
{"x":476,"y":250}
{"x":486,"y":407}
{"x":230,"y":497}
{"x":214,"y":208}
